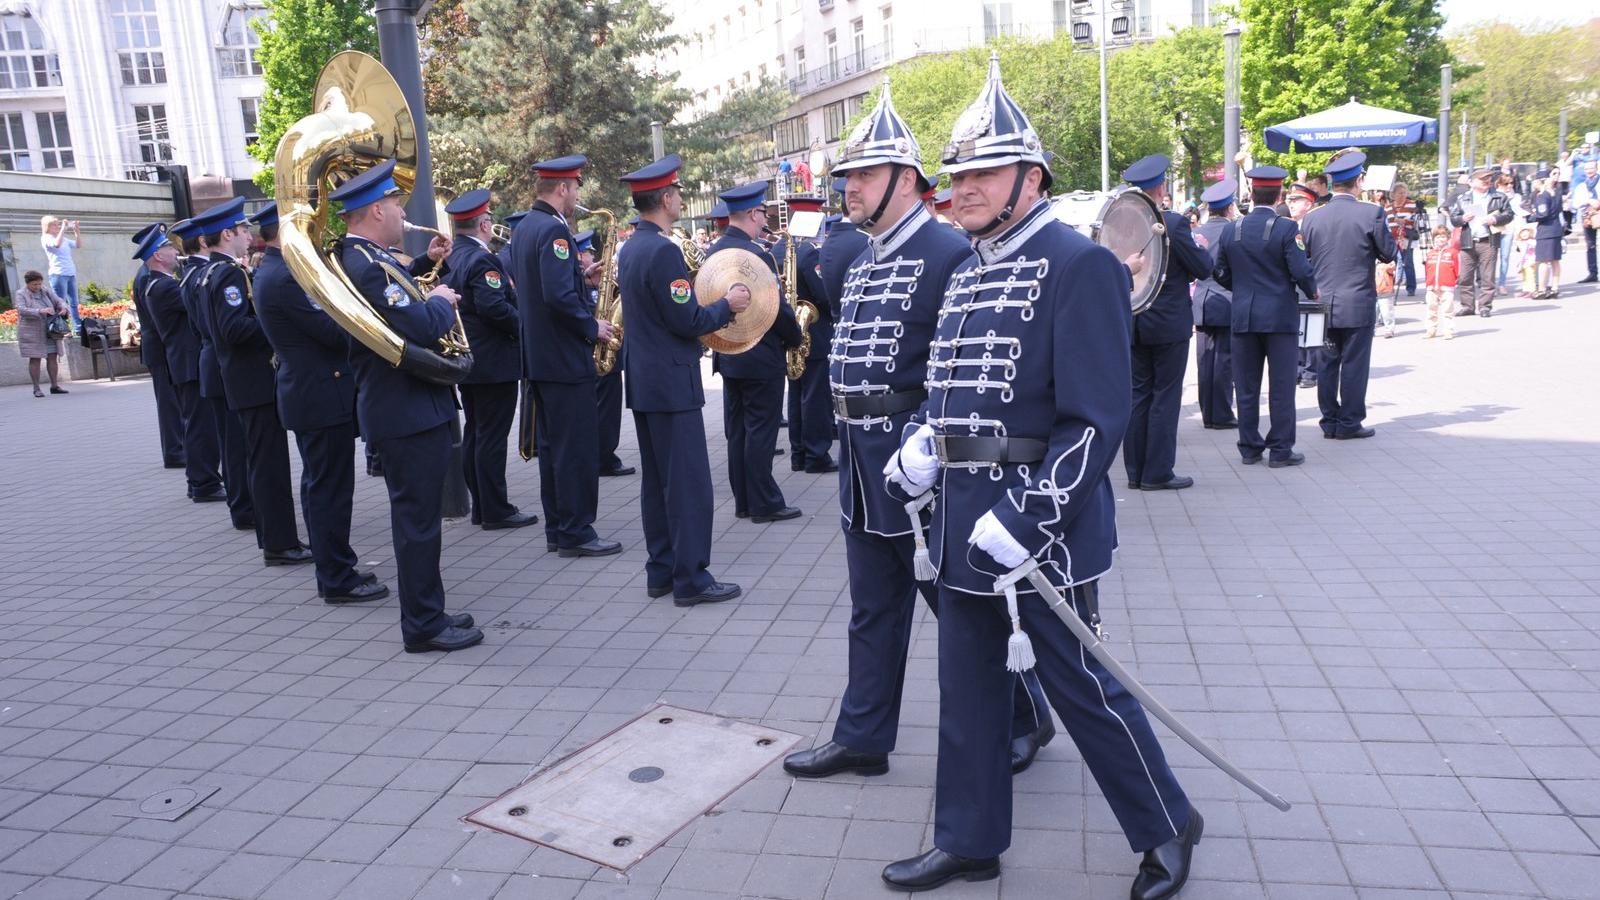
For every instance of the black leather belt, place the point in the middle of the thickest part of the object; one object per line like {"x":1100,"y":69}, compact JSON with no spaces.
{"x":992,"y":450}
{"x":873,"y":406}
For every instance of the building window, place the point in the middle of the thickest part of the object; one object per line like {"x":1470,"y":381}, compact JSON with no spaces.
{"x":799,"y":63}
{"x":996,"y":20}
{"x":792,"y":135}
{"x":1060,"y":19}
{"x":250,"y":110}
{"x":858,"y":43}
{"x":138,"y":39}
{"x":55,"y":143}
{"x":888,"y":32}
{"x":23,"y":60}
{"x":237,"y":55}
{"x":1146,"y":22}
{"x":13,"y":144}
{"x":155,"y":141}
{"x":830,"y":41}
{"x":852,"y":106}
{"x":833,"y":121}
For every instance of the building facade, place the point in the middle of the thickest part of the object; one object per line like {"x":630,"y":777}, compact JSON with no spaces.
{"x":116,"y":88}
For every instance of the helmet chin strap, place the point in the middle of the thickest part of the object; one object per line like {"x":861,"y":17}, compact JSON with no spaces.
{"x":888,"y":192}
{"x":1010,"y":207}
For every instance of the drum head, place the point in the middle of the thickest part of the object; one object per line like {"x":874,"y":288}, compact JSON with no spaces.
{"x":1125,"y":221}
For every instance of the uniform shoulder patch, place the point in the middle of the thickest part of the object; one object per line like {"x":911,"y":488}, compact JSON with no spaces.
{"x":1300,"y":240}
{"x":396,"y":296}
{"x":232,"y":295}
{"x":818,"y":269}
{"x":492,"y":279}
{"x":562,"y":250}
{"x":680,"y":291}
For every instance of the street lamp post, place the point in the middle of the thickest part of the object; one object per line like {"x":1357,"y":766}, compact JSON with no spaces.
{"x":1230,"y":109}
{"x":1105,"y":125}
{"x":1444,"y":133}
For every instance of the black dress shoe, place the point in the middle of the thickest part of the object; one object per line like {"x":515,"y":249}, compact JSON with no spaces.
{"x":550,"y":548}
{"x":1025,"y":748}
{"x":59,"y":390}
{"x":1293,"y":459}
{"x":459,"y":620}
{"x":936,"y":867}
{"x":1464,"y":312}
{"x":740,"y":514}
{"x":1223,"y":426}
{"x":653,"y":592}
{"x":218,"y":497}
{"x":1175,"y":483}
{"x":787,"y":512}
{"x":361,"y":593}
{"x":1486,"y":314}
{"x":1251,"y":460}
{"x":174,"y":464}
{"x":451,"y":638}
{"x":515,"y":520}
{"x":832,"y":759}
{"x":1589,"y":280}
{"x":1166,"y":868}
{"x":294,"y":556}
{"x":244,"y":524}
{"x":796,"y":465}
{"x":823,"y":468}
{"x":596,"y":547}
{"x":778,"y":451}
{"x":1133,"y":485}
{"x":618,"y":472}
{"x":1356,"y":435}
{"x":716,"y":593}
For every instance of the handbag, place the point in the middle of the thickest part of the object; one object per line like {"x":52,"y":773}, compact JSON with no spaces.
{"x":55,"y":326}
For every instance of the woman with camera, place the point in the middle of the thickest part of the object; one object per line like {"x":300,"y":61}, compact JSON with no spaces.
{"x":63,"y":271}
{"x":40,"y":327}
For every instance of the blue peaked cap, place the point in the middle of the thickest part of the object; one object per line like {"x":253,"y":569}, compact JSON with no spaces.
{"x":221,"y":217}
{"x":1149,"y":172}
{"x":584,"y":239}
{"x":367,"y":188}
{"x":155,"y":237}
{"x":266,"y":215}
{"x":1220,"y":195}
{"x":1345,"y":166}
{"x":745,"y":196}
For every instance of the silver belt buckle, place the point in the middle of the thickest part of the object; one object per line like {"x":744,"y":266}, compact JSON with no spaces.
{"x":940,"y":450}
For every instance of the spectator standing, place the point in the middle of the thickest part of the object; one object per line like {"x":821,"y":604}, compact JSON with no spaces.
{"x":1584,"y":201}
{"x":1508,"y":185}
{"x":1550,"y":234}
{"x":1563,"y":176}
{"x":1523,"y":250}
{"x":35,"y":304}
{"x":1479,"y":212}
{"x":63,"y":272}
{"x":1439,"y":281}
{"x":1403,"y":212}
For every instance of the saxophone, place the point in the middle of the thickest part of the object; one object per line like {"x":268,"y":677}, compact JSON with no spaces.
{"x":609,"y":304}
{"x":804,"y":312}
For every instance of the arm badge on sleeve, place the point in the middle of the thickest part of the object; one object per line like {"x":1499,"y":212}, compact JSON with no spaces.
{"x":492,"y":279}
{"x":680,"y":291}
{"x":232,"y":295}
{"x":396,"y":296}
{"x":1300,"y":241}
{"x":561,"y":249}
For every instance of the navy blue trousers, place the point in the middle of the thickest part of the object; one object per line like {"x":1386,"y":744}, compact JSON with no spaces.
{"x":675,"y":500}
{"x":608,"y":406}
{"x":235,"y":462}
{"x":972,"y":800}
{"x":1342,"y":372}
{"x":1151,"y":446}
{"x":811,"y":416}
{"x":1279,"y":352}
{"x":327,"y":490}
{"x":169,"y":417}
{"x":490,"y":409}
{"x":883,"y":601}
{"x":199,"y":440}
{"x":566,"y":433}
{"x":752,"y":410}
{"x":271,"y":487}
{"x":414,"y":469}
{"x":1213,"y":350}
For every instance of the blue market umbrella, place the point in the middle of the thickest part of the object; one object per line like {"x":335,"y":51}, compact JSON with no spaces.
{"x":1351,"y":125}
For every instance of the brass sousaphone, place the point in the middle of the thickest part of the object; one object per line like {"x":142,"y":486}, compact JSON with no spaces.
{"x":360,"y":119}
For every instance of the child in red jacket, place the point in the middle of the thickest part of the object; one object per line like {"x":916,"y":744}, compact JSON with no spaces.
{"x":1439,"y":277}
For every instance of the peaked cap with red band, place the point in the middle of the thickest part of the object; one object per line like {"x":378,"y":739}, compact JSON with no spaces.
{"x":659,"y":174}
{"x":564,"y":167}
{"x":468,"y":206}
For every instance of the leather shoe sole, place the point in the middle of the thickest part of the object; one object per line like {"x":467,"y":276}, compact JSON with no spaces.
{"x":788,"y":512}
{"x":835,"y":759}
{"x":1356,"y":435}
{"x":1177,"y":483}
{"x":520,"y":520}
{"x":717,"y":593}
{"x":618,"y":472}
{"x":1293,"y":459}
{"x":958,"y":868}
{"x":450,"y":639}
{"x":593,"y":548}
{"x":297,"y":556}
{"x":362,"y":593}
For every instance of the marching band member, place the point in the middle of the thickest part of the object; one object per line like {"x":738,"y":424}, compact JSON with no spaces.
{"x":608,"y":390}
{"x":810,"y":408}
{"x":1213,"y":348}
{"x":1029,"y":396}
{"x":228,"y":426}
{"x":153,"y":353}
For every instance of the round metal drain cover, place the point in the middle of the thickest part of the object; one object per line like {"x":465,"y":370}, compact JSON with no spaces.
{"x":645,"y":774}
{"x":170,"y":800}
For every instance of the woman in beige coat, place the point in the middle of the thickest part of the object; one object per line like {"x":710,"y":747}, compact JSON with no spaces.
{"x":35,"y":303}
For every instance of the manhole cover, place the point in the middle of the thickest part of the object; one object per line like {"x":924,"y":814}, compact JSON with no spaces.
{"x":610,"y":803}
{"x":169,"y":804}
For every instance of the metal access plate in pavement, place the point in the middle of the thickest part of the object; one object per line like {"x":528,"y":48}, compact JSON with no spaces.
{"x":623,"y":796}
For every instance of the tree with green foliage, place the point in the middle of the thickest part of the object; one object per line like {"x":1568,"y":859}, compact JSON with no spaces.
{"x":1522,"y":79}
{"x":297,"y":38}
{"x":1303,"y":56}
{"x":1179,"y":78}
{"x":726,"y":146}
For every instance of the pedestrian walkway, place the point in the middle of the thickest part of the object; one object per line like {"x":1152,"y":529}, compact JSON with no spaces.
{"x":1401,"y":636}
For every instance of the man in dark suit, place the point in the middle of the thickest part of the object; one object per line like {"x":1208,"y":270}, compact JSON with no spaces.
{"x":1261,"y":258}
{"x":227,"y":424}
{"x":559,"y":331}
{"x":1346,"y":239}
{"x":1161,"y":344}
{"x":810,"y":407}
{"x":662,"y":353}
{"x":153,"y":353}
{"x":752,"y":381}
{"x":316,"y":391}
{"x":608,"y":390}
{"x":489,"y":393}
{"x":1212,"y":317}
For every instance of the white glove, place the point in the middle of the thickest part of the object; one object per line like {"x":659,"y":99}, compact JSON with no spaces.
{"x":914,"y":466}
{"x":992,"y":538}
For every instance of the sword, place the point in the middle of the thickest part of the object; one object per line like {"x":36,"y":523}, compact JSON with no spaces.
{"x":1059,"y":605}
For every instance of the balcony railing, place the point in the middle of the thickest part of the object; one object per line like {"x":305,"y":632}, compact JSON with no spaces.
{"x":847,"y":65}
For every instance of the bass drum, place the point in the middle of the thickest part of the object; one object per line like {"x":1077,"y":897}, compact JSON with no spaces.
{"x":1124,"y":221}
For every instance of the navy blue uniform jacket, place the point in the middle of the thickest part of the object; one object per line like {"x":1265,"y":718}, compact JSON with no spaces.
{"x":488,"y":311}
{"x":1261,"y":259}
{"x":843,"y":247}
{"x":1211,"y":309}
{"x":662,"y":346}
{"x":1345,"y":240}
{"x":177,"y":335}
{"x":1547,"y":216}
{"x":765,"y":359}
{"x":389,"y":402}
{"x":808,"y":266}
{"x":558,"y":329}
{"x":151,"y":348}
{"x":189,"y":277}
{"x":242,"y":348}
{"x":316,"y":384}
{"x":1170,"y":318}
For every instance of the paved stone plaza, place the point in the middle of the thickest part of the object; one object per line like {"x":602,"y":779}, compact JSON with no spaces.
{"x":1402,"y":637}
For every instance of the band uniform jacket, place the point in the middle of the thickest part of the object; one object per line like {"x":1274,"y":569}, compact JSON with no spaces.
{"x":1260,"y":258}
{"x":390,"y":402}
{"x":1034,"y":341}
{"x":662,"y":346}
{"x":765,"y":359}
{"x":164,"y":298}
{"x":151,"y":349}
{"x":840,"y":251}
{"x":1345,"y":240}
{"x":488,"y":312}
{"x":242,"y":348}
{"x":808,"y":269}
{"x":194,"y":303}
{"x":1211,"y":300}
{"x":1170,"y":317}
{"x":316,"y":384}
{"x":888,"y":312}
{"x":558,"y":329}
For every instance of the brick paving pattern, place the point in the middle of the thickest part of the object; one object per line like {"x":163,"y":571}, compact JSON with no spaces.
{"x":1402,"y":636}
